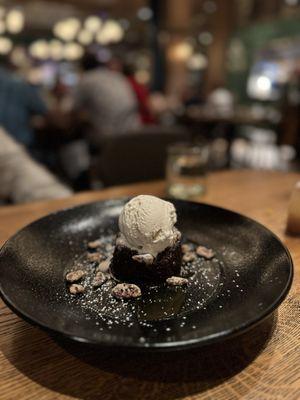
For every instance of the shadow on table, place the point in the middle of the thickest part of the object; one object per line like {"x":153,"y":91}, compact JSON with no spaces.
{"x":85,"y":373}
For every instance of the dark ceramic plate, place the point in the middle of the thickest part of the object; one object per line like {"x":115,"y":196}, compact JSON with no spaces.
{"x":249,"y":277}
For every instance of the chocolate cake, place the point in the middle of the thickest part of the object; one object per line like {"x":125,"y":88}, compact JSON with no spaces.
{"x":127,"y":269}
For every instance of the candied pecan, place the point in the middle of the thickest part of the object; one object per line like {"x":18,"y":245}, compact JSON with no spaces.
{"x":99,"y":279}
{"x":94,"y":257}
{"x":176,"y":281}
{"x":75,"y":276}
{"x":126,"y":291}
{"x":205,"y":252}
{"x":94,"y":244}
{"x":76,"y":289}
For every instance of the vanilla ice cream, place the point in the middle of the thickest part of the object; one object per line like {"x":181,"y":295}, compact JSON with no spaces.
{"x":147,"y":225}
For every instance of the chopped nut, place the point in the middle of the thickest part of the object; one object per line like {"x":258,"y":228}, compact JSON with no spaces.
{"x":94,"y":257}
{"x":76,"y":289}
{"x":99,"y":279}
{"x":94,"y":244}
{"x":104,"y":265}
{"x":176,"y":281}
{"x":75,"y":276}
{"x":188,"y":257}
{"x":109,"y":247}
{"x":205,"y":252}
{"x":145,"y":258}
{"x":186,"y":248}
{"x":126,"y":291}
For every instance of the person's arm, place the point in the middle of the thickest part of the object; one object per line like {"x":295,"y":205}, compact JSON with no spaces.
{"x":21,"y":178}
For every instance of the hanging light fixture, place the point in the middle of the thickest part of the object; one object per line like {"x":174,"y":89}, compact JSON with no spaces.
{"x":85,"y":37}
{"x":197,"y":61}
{"x":40,"y":49}
{"x":67,"y":29}
{"x":5,"y":45}
{"x":180,"y":51}
{"x":112,"y":32}
{"x":73,"y":51}
{"x":15,"y":21}
{"x":93,"y":24}
{"x":56,"y":49}
{"x":102,"y":38}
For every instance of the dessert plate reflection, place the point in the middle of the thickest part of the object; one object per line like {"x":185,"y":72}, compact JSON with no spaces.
{"x":245,"y":281}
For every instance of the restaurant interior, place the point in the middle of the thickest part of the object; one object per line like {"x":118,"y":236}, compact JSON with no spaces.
{"x":149,"y":199}
{"x":220,"y":76}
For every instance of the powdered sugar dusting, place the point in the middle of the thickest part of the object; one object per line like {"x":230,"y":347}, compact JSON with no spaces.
{"x":161,"y":303}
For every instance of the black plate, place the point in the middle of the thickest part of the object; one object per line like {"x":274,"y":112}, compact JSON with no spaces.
{"x":248,"y":279}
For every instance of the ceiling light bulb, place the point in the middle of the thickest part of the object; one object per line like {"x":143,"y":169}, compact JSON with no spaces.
{"x":102,"y":38}
{"x":85,"y":37}
{"x":15,"y":21}
{"x":56,"y":49}
{"x":40,"y":49}
{"x":67,"y":29}
{"x":112,"y":31}
{"x":197,"y":62}
{"x":73,"y":51}
{"x":93,"y":23}
{"x":5,"y":45}
{"x":181,"y":51}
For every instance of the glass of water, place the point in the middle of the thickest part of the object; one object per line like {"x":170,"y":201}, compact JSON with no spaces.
{"x":186,"y":170}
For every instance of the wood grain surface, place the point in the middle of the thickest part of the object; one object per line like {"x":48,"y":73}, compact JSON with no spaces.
{"x":263,"y":364}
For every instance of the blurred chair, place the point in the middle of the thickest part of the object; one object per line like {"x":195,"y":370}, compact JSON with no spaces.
{"x":137,"y":156}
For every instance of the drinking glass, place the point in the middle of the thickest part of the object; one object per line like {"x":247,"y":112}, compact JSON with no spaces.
{"x":186,"y":170}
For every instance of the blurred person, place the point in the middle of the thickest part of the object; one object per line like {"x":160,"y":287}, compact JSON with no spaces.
{"x":19,"y":101}
{"x":105,"y":100}
{"x":21,"y":178}
{"x":115,"y":64}
{"x":60,"y":96}
{"x":142,"y":95}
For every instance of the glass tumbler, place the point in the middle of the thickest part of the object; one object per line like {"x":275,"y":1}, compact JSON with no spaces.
{"x":186,"y":170}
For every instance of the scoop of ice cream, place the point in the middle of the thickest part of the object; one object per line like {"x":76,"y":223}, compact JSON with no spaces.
{"x":147,"y":224}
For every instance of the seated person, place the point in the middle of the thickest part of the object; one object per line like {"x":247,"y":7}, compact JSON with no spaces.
{"x":19,"y":102}
{"x":21,"y":178}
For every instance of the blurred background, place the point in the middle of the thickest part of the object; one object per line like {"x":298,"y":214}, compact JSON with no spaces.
{"x":95,"y":93}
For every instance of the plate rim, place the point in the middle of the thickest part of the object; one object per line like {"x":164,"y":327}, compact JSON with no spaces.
{"x":160,"y":346}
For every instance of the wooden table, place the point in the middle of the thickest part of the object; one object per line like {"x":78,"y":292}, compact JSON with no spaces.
{"x":263,"y":364}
